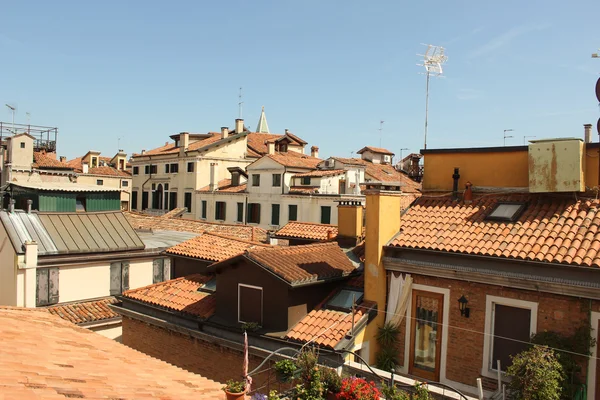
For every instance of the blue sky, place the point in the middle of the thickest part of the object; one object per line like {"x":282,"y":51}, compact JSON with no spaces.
{"x":327,"y":70}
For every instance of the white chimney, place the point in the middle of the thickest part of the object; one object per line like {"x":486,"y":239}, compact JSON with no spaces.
{"x":314,"y":152}
{"x":287,"y":131}
{"x":587,"y":129}
{"x":271,"y":147}
{"x":213,"y":177}
{"x":31,"y":254}
{"x":184,"y":142}
{"x":143,"y":151}
{"x":224,"y":132}
{"x":29,"y":203}
{"x":85,"y":167}
{"x":239,"y":125}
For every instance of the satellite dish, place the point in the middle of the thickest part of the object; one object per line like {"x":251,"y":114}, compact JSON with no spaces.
{"x":598,"y":90}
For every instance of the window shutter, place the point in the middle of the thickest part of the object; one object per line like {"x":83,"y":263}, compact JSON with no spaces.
{"x":53,"y":285}
{"x":167,"y":269}
{"x":115,"y":278}
{"x":125,"y":275}
{"x":41,"y":293}
{"x":157,"y":270}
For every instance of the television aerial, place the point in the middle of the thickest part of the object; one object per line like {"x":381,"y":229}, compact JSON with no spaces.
{"x":433,"y":61}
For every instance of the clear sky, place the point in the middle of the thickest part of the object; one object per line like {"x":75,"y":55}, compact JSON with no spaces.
{"x":328,"y":71}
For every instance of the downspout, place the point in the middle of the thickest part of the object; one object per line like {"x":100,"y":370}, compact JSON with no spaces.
{"x":150,"y":177}
{"x":283,"y":179}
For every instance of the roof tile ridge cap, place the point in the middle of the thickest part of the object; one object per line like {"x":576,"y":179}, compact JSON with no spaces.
{"x":136,"y":290}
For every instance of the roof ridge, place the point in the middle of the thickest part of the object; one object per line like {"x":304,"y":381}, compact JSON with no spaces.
{"x":309,"y":223}
{"x":232,"y":238}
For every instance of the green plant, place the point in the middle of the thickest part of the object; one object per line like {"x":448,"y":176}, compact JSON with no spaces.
{"x":250,"y":326}
{"x":387,"y":335}
{"x":273,"y":395}
{"x":311,"y":387}
{"x":232,"y":386}
{"x":391,"y":392}
{"x":307,"y":362}
{"x":421,"y":392}
{"x":387,"y":358}
{"x":536,"y":375}
{"x":331,"y":380}
{"x":285,"y":370}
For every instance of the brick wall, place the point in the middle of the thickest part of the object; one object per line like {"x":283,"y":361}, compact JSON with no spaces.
{"x":464,"y":359}
{"x":209,"y":360}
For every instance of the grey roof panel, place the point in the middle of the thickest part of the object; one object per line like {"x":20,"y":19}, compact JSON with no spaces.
{"x":110,"y":242}
{"x":94,"y":233}
{"x":116,"y":225}
{"x":22,"y":227}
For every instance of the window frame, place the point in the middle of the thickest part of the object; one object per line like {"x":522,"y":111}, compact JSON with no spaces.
{"x":122,"y":267}
{"x":187,"y":195}
{"x":174,"y":168}
{"x":273,"y":221}
{"x":147,"y":169}
{"x":190,"y":166}
{"x":276,"y":180}
{"x":203,"y":209}
{"x":240,"y":212}
{"x":220,"y":206}
{"x":488,"y":369}
{"x":134,"y":199}
{"x":262,"y":302}
{"x":22,"y":145}
{"x":52,"y":296}
{"x":161,"y":270}
{"x":322,"y":221}
{"x":249,"y":214}
{"x":124,"y":183}
{"x":100,"y":182}
{"x":295,"y":213}
{"x":305,"y":181}
{"x":255,"y":180}
{"x":135,"y":170}
{"x":167,"y":168}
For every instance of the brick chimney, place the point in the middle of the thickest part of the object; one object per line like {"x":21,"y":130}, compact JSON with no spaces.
{"x":224,"y":132}
{"x":239,"y":125}
{"x":314,"y":152}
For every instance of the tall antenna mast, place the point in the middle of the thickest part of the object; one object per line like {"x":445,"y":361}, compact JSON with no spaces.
{"x":433,"y":59}
{"x":240,"y":104}
{"x":507,"y":136}
{"x":12,"y":109}
{"x":380,"y":132}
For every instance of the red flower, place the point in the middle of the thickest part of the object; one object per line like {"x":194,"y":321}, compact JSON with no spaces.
{"x":358,"y":389}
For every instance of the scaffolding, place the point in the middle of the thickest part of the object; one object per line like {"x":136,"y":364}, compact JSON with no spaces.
{"x":44,"y":136}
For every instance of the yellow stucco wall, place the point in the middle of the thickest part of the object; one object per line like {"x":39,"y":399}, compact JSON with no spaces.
{"x":108,"y":181}
{"x":350,"y":220}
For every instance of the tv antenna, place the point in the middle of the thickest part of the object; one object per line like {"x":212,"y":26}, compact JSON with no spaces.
{"x":507,"y":136}
{"x":401,"y":150}
{"x":240,"y":104}
{"x":380,"y":132}
{"x":13,"y":109}
{"x":525,"y":137}
{"x":433,"y":60}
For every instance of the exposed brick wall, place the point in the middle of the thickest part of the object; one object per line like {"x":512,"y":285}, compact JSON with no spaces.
{"x":562,"y":314}
{"x":195,"y":355}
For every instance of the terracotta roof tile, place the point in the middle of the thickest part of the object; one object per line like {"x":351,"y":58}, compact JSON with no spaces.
{"x":307,"y":230}
{"x":303,"y":189}
{"x":169,"y":148}
{"x":320,"y":173}
{"x":384,"y":173}
{"x":85,"y":311}
{"x":551,"y":229}
{"x":176,"y":212}
{"x":211,"y":247}
{"x":225,"y":186}
{"x":293,"y":159}
{"x":108,"y":171}
{"x":257,"y":142}
{"x":148,"y":222}
{"x":48,"y":160}
{"x":45,"y":357}
{"x":378,"y":150}
{"x":179,"y":294}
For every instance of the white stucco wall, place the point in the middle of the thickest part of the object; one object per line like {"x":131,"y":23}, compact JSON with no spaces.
{"x":113,"y":331}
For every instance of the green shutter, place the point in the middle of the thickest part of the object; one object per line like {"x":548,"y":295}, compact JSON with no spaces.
{"x":274,"y":214}
{"x":325,"y":214}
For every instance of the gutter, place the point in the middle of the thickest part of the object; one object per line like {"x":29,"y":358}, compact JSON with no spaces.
{"x":72,"y":258}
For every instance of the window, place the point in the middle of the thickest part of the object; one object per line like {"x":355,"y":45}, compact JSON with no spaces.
{"x":210,"y":286}
{"x":255,"y":180}
{"x":136,"y":170}
{"x":509,"y":324}
{"x":204,"y":207}
{"x":153,"y":187}
{"x":174,"y":168}
{"x":275,"y":214}
{"x":325,"y":214}
{"x":277,"y":180}
{"x":22,"y":145}
{"x":220,"y":210}
{"x":154,"y":169}
{"x":343,"y":299}
{"x":99,"y":182}
{"x":134,"y":200}
{"x":144,"y":200}
{"x":240,"y":212}
{"x":253,"y":213}
{"x":146,"y":169}
{"x":166,"y":185}
{"x":172,"y":200}
{"x":161,"y":270}
{"x":305,"y":180}
{"x":119,"y":277}
{"x":506,"y":212}
{"x":125,"y":183}
{"x":187,"y":202}
{"x":94,"y":162}
{"x":46,"y":286}
{"x":80,"y":204}
{"x":167,"y":168}
{"x":292,"y":212}
{"x":250,"y":302}
{"x":190,"y":167}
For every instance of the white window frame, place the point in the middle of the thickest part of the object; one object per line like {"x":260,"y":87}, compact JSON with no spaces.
{"x":262,"y":301}
{"x":487,"y":369}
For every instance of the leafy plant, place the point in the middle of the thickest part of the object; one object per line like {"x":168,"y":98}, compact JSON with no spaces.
{"x":391,"y":392}
{"x":331,"y":380}
{"x":387,"y":358}
{"x":273,"y":395}
{"x":285,"y":370}
{"x":307,"y":362}
{"x":421,"y":392}
{"x":536,"y":375}
{"x":387,"y":335}
{"x":358,"y":389}
{"x":310,"y":376}
{"x":250,"y":326}
{"x":232,"y":386}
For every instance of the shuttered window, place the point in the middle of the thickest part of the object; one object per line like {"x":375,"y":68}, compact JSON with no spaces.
{"x":325,"y":214}
{"x":512,"y":330}
{"x":292,"y":212}
{"x":275,"y":214}
{"x":220,"y":207}
{"x":119,"y":277}
{"x":190,"y":167}
{"x":174,"y":168}
{"x":240,"y":212}
{"x":46,"y":286}
{"x":161,"y":270}
{"x":187,"y":201}
{"x":144,"y":200}
{"x":253,"y":213}
{"x":250,"y":304}
{"x":172,"y":200}
{"x":134,"y":200}
{"x":204,"y":206}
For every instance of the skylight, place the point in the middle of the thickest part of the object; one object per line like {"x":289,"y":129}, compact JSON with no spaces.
{"x":343,"y":299}
{"x":506,"y":212}
{"x":210,"y":286}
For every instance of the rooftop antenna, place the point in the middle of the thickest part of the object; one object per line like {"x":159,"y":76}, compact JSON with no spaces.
{"x":525,"y":137}
{"x":380,"y":131}
{"x":12,"y":109}
{"x":401,"y":150}
{"x":505,"y":136}
{"x":433,"y":59}
{"x":28,"y":114}
{"x":240,"y":104}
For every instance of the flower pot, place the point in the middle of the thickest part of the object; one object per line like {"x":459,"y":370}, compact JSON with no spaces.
{"x":235,"y":396}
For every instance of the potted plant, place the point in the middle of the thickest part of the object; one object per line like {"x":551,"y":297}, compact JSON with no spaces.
{"x":358,"y":389}
{"x":285,"y":370}
{"x":235,"y":390}
{"x":332,"y":383}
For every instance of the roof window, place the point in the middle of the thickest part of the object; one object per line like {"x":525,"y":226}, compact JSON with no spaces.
{"x":506,"y":212}
{"x":210,"y":286}
{"x":343,"y":299}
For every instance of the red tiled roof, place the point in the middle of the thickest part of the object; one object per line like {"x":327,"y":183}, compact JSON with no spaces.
{"x":384,"y":173}
{"x":552,"y":229}
{"x":295,"y":138}
{"x":47,"y":160}
{"x":148,"y":222}
{"x":377,"y":150}
{"x":324,"y":327}
{"x":45,"y":357}
{"x":257,"y":142}
{"x":322,"y":172}
{"x":108,"y":171}
{"x":293,"y":159}
{"x":225,"y":186}
{"x":169,"y":148}
{"x":209,"y":246}
{"x":307,"y":230}
{"x":179,"y":294}
{"x":303,"y":190}
{"x":174,"y":213}
{"x":304,"y":264}
{"x":85,"y":311}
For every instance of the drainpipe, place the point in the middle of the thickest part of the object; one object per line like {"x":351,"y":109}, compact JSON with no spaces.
{"x":150,"y":177}
{"x":455,"y":177}
{"x":283,"y":180}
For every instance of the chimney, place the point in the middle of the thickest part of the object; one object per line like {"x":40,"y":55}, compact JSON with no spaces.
{"x":235,"y":178}
{"x":11,"y":206}
{"x":143,"y":151}
{"x":287,"y":131}
{"x":63,"y":159}
{"x":330,"y":235}
{"x":350,"y":222}
{"x":213,"y":177}
{"x":184,"y":142}
{"x":271,"y":147}
{"x":239,"y":125}
{"x":29,"y":203}
{"x":31,"y":253}
{"x":314,"y":152}
{"x":86,"y":167}
{"x":587,"y":133}
{"x":468,"y":195}
{"x":224,"y":132}
{"x":455,"y":177}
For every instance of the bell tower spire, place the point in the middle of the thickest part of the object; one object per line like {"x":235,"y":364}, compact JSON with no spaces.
{"x":262,"y":127}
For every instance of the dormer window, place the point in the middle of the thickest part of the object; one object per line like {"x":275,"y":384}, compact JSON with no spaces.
{"x":506,"y":211}
{"x":94,"y":162}
{"x":344,"y":299}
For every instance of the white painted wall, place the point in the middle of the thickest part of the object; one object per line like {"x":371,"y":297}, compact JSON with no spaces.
{"x":113,"y":331}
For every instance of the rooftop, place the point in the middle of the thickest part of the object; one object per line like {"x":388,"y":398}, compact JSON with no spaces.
{"x":257,"y":142}
{"x":85,"y":312}
{"x":296,"y":160}
{"x":384,"y":173}
{"x":212,"y":247}
{"x":308,"y":230}
{"x":169,"y":148}
{"x":225,"y":186}
{"x":377,"y":150}
{"x":44,"y":160}
{"x":321,"y":173}
{"x":45,"y":357}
